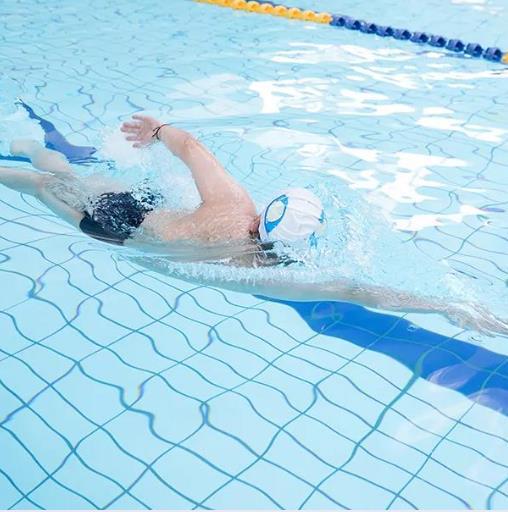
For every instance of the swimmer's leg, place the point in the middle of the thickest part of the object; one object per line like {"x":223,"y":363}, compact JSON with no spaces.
{"x":20,"y":179}
{"x":41,"y":158}
{"x":29,"y":182}
{"x":59,"y":207}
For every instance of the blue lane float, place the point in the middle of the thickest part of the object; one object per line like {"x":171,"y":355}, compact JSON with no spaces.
{"x":339,"y":20}
{"x":455,"y":45}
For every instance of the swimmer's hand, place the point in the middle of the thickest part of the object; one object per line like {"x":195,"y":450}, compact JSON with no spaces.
{"x":140,"y":130}
{"x":476,"y":317}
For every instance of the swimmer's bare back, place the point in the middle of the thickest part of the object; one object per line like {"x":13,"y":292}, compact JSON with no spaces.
{"x":227,"y":212}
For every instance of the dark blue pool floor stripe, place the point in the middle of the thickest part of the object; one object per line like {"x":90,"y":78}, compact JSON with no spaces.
{"x":477,"y":373}
{"x":53,"y":139}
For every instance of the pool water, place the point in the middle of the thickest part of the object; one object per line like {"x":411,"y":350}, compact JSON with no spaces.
{"x":123,"y":387}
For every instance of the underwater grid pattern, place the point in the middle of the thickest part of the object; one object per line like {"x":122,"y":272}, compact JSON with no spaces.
{"x":124,"y":388}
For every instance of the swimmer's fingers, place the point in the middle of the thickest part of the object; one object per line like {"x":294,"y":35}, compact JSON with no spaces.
{"x":496,"y":325}
{"x":130,"y":127}
{"x":146,"y":122}
{"x":140,"y":130}
{"x":484,"y":322}
{"x":145,"y":119}
{"x":130,"y":132}
{"x":139,"y":140}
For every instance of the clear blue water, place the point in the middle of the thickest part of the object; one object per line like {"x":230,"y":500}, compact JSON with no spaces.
{"x":128,"y":388}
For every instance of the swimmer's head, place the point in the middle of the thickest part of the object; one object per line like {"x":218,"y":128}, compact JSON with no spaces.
{"x":294,"y":214}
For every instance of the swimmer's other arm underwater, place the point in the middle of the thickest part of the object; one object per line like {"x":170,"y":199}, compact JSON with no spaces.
{"x":226,"y":214}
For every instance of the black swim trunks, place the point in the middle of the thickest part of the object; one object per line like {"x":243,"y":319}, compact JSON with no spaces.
{"x":116,"y":215}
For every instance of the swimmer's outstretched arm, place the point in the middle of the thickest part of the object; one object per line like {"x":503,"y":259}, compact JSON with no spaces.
{"x":214,"y":183}
{"x":466,"y":315}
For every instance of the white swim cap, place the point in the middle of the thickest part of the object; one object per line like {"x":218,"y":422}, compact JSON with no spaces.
{"x":295,"y":214}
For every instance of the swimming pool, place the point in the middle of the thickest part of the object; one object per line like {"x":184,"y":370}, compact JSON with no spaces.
{"x":122,"y":387}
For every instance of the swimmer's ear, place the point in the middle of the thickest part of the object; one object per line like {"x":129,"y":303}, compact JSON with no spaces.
{"x":254,"y":226}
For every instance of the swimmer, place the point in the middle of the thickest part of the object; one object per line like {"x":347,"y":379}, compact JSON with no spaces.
{"x":226,"y":215}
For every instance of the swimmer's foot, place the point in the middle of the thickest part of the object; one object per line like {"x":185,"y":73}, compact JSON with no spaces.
{"x":43,"y":159}
{"x":25,"y":147}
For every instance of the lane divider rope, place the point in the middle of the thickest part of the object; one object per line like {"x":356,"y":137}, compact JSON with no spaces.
{"x":337,"y":20}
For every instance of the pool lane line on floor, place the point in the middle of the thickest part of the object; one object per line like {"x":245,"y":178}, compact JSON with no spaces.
{"x":338,"y":20}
